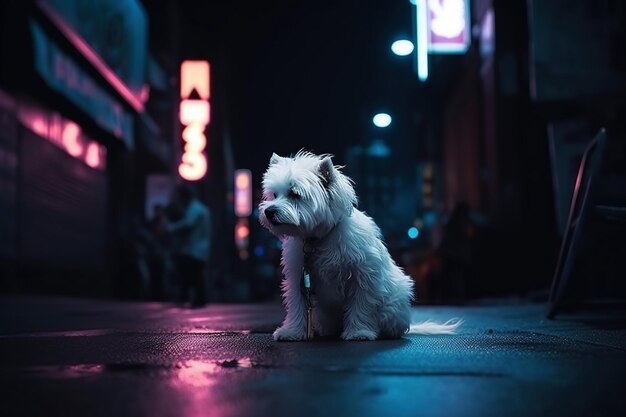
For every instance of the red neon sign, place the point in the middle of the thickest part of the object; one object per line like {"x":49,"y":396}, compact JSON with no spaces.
{"x":195,"y":114}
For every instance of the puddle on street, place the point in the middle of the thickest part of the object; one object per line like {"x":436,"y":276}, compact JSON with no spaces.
{"x":237,"y":363}
{"x":192,"y":372}
{"x":197,"y":373}
{"x":206,"y":330}
{"x":67,"y":371}
{"x":63,"y":333}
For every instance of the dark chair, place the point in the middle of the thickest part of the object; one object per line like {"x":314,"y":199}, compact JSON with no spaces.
{"x":579,"y":212}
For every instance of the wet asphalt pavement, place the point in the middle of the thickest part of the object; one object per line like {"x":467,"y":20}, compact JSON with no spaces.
{"x":76,"y":357}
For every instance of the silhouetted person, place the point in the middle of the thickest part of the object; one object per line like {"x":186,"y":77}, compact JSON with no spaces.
{"x":455,"y":251}
{"x":191,"y":250}
{"x":158,"y":252}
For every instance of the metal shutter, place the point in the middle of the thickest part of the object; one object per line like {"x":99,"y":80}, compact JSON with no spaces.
{"x":63,"y":208}
{"x":8,"y":183}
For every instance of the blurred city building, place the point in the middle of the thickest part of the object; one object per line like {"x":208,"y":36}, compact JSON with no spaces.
{"x":491,"y":128}
{"x":87,"y":119}
{"x":535,"y":69}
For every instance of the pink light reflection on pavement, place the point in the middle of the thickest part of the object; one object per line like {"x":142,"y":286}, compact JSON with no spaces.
{"x":196,"y":373}
{"x":198,"y":381}
{"x":195,"y":381}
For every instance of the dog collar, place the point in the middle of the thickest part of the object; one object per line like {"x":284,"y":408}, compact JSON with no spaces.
{"x":310,"y":242}
{"x":308,"y":247}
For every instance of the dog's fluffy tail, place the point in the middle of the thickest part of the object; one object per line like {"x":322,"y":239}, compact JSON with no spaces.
{"x":430,"y":327}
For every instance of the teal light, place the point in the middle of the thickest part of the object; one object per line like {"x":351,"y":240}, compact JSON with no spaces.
{"x":422,"y":40}
{"x":413,"y":232}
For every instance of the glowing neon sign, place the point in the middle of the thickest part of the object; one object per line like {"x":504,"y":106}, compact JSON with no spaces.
{"x":243,"y":192}
{"x":195,"y":114}
{"x":64,"y":133}
{"x":448,"y":26}
{"x":442,"y":28}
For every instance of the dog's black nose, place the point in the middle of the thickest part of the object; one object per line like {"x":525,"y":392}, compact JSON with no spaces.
{"x":270,"y":213}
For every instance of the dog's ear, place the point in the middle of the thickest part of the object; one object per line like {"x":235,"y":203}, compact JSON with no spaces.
{"x":274,"y":159}
{"x":327,"y":171}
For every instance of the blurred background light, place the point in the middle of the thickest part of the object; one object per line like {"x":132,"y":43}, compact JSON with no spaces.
{"x":413,"y":232}
{"x":402,"y":47}
{"x":259,"y":251}
{"x":378,"y":149}
{"x":382,"y":120}
{"x":243,"y":192}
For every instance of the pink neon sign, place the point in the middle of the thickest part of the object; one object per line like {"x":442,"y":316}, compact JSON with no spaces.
{"x":195,"y":115}
{"x":64,"y":133}
{"x":448,"y":26}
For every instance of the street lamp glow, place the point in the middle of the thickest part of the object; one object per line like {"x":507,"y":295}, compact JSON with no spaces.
{"x":382,"y":120}
{"x":402,"y":47}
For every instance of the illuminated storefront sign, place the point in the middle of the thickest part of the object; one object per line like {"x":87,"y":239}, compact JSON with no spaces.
{"x":243,"y":209}
{"x":195,"y":115}
{"x":112,"y":35}
{"x":448,"y":26}
{"x":64,"y":75}
{"x":443,"y":27}
{"x":64,"y":133}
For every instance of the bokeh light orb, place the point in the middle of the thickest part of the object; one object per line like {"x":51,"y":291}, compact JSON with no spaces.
{"x":382,"y":120}
{"x":413,"y":232}
{"x":402,"y":47}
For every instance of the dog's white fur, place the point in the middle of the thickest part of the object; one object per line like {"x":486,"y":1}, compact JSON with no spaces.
{"x":358,"y":291}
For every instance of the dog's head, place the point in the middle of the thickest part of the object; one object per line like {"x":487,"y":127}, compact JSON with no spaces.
{"x":305,"y":196}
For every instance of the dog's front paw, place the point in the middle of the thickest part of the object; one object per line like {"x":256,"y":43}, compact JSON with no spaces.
{"x":358,"y":334}
{"x":285,"y":333}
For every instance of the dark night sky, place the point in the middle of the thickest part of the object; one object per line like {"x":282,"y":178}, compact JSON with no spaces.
{"x":300,"y":74}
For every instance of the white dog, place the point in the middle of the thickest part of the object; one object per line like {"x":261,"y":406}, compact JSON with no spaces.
{"x":338,"y":276}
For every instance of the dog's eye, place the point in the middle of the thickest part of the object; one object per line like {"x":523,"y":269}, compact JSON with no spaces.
{"x":274,"y":196}
{"x":292,"y":194}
